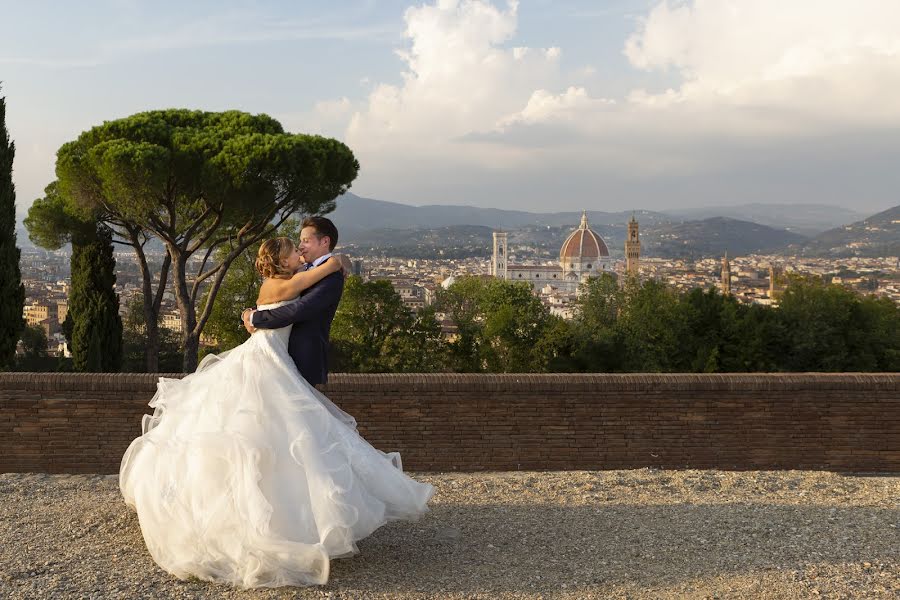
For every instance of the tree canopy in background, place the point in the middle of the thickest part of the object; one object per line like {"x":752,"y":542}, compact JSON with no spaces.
{"x":374,"y":332}
{"x":200,"y":182}
{"x":93,"y":327}
{"x":94,"y":305}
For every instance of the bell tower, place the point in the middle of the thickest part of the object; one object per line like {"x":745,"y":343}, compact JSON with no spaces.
{"x":726,"y":275}
{"x":632,"y":249}
{"x":499,"y":261}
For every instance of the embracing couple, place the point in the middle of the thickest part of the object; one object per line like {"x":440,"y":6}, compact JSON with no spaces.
{"x":245,"y":473}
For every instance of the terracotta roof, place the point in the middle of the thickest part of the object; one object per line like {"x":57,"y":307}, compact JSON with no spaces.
{"x":583,"y":243}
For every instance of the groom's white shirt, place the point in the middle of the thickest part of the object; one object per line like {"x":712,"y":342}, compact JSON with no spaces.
{"x":320,"y":260}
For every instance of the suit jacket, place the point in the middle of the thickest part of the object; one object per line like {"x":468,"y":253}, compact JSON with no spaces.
{"x":311,"y":316}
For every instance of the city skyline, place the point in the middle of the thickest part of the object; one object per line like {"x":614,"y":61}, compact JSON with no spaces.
{"x":515,"y":105}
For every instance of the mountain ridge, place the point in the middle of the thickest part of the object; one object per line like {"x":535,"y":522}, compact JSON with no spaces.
{"x":876,"y":235}
{"x":355,"y":212}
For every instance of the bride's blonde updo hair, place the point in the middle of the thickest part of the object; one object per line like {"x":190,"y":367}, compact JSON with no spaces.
{"x":271,"y":253}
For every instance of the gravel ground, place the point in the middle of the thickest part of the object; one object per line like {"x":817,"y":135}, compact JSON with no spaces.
{"x":587,"y":534}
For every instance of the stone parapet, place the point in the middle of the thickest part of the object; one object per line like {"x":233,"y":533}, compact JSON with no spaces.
{"x":82,"y":423}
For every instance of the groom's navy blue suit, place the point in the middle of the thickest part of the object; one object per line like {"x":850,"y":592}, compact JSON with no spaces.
{"x":311,"y":317}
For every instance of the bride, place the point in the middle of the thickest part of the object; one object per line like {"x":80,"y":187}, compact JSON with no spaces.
{"x":246,"y":474}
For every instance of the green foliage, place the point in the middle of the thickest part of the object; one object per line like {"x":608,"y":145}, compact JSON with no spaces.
{"x":636,"y":327}
{"x":374,"y":332}
{"x":760,"y":341}
{"x":597,"y":343}
{"x":650,"y":328}
{"x":52,"y":222}
{"x":92,"y":327}
{"x":817,"y":327}
{"x":710,"y":334}
{"x":200,"y":181}
{"x":830,"y":328}
{"x":878,"y":340}
{"x":94,"y":305}
{"x":424,"y":349}
{"x":152,"y":166}
{"x":563,"y":348}
{"x":34,"y":357}
{"x":502,"y":326}
{"x":12,"y":292}
{"x":460,"y":303}
{"x":599,"y":303}
{"x":134,"y":340}
{"x":34,"y":341}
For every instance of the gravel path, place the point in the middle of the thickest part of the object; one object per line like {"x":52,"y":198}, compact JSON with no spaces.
{"x":606,"y":534}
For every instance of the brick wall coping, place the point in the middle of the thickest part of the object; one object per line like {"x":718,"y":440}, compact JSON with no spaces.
{"x":558,"y":382}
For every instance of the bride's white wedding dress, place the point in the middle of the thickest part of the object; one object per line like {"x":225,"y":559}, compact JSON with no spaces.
{"x":246,"y":474}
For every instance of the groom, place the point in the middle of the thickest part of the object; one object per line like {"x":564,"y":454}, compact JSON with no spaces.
{"x":313,"y":313}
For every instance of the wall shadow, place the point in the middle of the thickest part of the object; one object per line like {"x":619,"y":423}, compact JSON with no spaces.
{"x":508,"y":548}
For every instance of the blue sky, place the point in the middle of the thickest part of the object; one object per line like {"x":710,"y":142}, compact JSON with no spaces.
{"x":540,"y":105}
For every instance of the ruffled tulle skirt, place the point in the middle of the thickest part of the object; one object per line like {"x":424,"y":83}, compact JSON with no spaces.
{"x":248,"y":475}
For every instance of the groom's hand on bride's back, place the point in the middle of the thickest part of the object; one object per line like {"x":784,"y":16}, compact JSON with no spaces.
{"x":247,"y":319}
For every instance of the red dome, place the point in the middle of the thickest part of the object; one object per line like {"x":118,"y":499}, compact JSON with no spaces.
{"x":583,"y":243}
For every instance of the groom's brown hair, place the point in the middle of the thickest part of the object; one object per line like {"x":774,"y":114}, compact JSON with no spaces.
{"x":323,"y":227}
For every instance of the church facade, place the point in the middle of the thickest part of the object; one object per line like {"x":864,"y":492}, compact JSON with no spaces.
{"x":584,"y":254}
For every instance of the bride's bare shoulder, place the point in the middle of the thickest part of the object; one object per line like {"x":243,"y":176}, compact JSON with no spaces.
{"x":263,"y":297}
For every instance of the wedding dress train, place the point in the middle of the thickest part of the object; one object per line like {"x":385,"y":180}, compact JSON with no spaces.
{"x":246,"y":474}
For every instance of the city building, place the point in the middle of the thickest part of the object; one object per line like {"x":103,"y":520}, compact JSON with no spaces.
{"x":412,"y":295}
{"x":35,"y":313}
{"x":726,"y":275}
{"x":583,"y":254}
{"x":633,"y":249}
{"x":62,"y":309}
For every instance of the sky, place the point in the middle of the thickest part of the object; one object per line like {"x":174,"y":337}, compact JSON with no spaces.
{"x":540,"y":105}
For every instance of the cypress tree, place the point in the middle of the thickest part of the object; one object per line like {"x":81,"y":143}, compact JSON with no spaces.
{"x":94,"y":305}
{"x":12,"y":292}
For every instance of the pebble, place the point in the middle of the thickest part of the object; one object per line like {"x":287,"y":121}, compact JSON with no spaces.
{"x":644,"y":533}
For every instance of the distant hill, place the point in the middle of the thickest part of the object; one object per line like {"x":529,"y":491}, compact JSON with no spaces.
{"x":712,"y":237}
{"x":376,"y":226}
{"x":805,"y":219}
{"x":878,"y":235}
{"x":453,"y":242}
{"x":354,"y":213}
{"x":709,"y":237}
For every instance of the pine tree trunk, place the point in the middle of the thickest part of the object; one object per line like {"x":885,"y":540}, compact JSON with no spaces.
{"x":151,"y":353}
{"x":191,"y":339}
{"x":151,"y":302}
{"x":191,"y":352}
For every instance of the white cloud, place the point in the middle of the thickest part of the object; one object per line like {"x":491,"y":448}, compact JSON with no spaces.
{"x":328,"y":117}
{"x":459,"y":78}
{"x":334,"y":108}
{"x":830,"y":60}
{"x":544,"y":106}
{"x":761,"y":82}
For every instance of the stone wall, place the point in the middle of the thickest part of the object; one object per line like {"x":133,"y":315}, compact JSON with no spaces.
{"x":82,"y":423}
